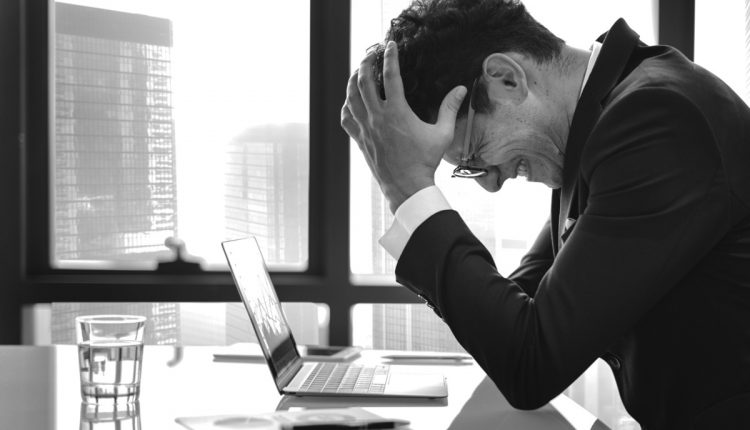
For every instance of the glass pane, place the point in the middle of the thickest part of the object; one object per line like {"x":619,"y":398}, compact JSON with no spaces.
{"x":508,"y":222}
{"x":194,"y":323}
{"x":183,"y":119}
{"x":407,"y":327}
{"x":721,"y":42}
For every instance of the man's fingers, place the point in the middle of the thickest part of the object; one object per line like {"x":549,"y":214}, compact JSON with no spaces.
{"x":348,"y":123}
{"x":366,"y":82}
{"x":394,"y":86}
{"x":354,"y":99}
{"x":449,"y":108}
{"x":353,"y":129}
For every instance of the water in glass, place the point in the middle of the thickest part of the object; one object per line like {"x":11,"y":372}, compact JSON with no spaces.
{"x":110,"y":371}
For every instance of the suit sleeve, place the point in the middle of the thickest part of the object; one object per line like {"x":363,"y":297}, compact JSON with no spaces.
{"x":657,"y":203}
{"x":535,"y":263}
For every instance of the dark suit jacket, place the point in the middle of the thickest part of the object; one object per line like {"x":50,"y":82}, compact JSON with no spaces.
{"x":645,"y":261}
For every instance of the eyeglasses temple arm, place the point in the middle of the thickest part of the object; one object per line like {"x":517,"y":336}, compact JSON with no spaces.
{"x":467,"y":134}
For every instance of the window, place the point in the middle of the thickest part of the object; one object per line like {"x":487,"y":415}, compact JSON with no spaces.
{"x":154,"y":114}
{"x":186,"y":120}
{"x":722,"y":42}
{"x":175,"y":323}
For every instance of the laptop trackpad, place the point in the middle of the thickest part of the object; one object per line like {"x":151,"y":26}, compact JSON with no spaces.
{"x":416,"y":384}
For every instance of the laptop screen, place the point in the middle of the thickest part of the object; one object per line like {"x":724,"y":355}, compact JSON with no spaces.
{"x":262,"y":304}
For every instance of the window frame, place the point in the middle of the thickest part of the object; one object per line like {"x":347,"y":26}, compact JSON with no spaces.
{"x":327,"y":279}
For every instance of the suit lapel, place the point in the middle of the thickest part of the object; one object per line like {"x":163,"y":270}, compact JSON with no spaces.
{"x":617,"y":46}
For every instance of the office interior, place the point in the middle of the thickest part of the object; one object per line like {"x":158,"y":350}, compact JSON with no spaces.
{"x":323,"y":282}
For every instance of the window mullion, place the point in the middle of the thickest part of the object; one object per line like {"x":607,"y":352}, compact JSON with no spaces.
{"x":329,"y":160}
{"x":677,"y":25}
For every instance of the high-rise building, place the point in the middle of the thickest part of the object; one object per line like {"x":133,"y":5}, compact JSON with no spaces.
{"x":382,"y":218}
{"x":114,"y":148}
{"x":411,"y":328}
{"x":266,"y":190}
{"x":416,"y":327}
{"x":302,"y":318}
{"x":238,"y":325}
{"x":202,"y":323}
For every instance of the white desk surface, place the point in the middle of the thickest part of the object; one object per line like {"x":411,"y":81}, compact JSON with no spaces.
{"x":39,"y":389}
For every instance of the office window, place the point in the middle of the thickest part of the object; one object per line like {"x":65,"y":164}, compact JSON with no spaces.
{"x":407,"y":327}
{"x":176,"y":323}
{"x":722,"y":42}
{"x":178,"y":119}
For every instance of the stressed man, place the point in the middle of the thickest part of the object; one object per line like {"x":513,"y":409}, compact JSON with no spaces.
{"x":645,"y":260}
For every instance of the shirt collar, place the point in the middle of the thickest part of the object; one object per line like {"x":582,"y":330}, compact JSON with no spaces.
{"x":595,"y":48}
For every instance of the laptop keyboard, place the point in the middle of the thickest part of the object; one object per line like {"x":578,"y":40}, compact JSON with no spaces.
{"x":346,"y":378}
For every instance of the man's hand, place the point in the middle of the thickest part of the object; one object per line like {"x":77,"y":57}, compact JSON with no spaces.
{"x":402,"y":151}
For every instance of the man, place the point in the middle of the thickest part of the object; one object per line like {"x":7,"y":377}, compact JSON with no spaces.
{"x":645,"y":260}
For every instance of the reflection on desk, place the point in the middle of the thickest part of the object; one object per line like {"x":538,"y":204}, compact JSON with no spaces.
{"x":121,"y":417}
{"x":40,"y":390}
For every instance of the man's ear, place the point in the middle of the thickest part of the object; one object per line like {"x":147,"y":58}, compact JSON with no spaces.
{"x":506,"y":79}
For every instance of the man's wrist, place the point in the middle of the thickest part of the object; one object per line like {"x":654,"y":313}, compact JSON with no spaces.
{"x":400,"y":194}
{"x":410,"y":215}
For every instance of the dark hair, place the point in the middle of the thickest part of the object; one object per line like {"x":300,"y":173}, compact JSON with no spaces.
{"x":442,"y":44}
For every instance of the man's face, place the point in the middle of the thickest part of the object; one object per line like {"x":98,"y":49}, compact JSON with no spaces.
{"x":511,"y":141}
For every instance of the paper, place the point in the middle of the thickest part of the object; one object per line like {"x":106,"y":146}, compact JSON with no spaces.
{"x":340,"y":417}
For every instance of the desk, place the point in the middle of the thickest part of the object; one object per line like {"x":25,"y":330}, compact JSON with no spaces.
{"x":39,"y":389}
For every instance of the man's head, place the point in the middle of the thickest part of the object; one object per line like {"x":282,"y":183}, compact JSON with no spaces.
{"x":445,"y":43}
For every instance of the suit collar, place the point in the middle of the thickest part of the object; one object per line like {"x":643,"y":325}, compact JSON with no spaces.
{"x":617,"y":46}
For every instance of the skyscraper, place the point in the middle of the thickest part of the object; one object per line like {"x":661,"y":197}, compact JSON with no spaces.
{"x":266,"y":190}
{"x":415,"y":327}
{"x":410,"y":327}
{"x":382,"y":218}
{"x":114,"y":150}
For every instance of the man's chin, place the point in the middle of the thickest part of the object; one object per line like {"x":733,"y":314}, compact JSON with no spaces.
{"x":551,"y":183}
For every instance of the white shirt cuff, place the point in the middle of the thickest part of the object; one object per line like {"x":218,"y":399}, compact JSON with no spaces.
{"x":410,"y":215}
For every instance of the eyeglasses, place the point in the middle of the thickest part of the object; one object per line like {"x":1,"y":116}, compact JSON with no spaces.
{"x":464,"y":168}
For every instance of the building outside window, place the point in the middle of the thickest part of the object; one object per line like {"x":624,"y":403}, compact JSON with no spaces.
{"x":114,"y":153}
{"x":722,"y":42}
{"x":178,"y":122}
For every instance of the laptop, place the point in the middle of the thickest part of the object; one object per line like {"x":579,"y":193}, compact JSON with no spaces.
{"x":291,"y":374}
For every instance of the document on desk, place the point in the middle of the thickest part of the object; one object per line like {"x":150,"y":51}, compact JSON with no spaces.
{"x":339,"y":418}
{"x":427,"y":357}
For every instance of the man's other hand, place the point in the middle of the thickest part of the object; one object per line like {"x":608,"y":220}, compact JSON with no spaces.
{"x":402,"y":151}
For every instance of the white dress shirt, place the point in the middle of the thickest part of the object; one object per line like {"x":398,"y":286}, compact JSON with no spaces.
{"x":430,"y":200}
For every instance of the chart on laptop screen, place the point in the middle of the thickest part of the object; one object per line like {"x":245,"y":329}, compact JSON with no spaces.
{"x":267,"y":311}
{"x":260,"y":296}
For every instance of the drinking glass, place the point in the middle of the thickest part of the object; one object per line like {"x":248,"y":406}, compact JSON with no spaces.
{"x":110,"y":352}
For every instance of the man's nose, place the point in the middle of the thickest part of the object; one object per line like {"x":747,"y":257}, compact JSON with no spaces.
{"x":491,"y":181}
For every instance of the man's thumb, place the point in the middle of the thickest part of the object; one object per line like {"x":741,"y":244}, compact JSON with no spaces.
{"x":450,"y":106}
